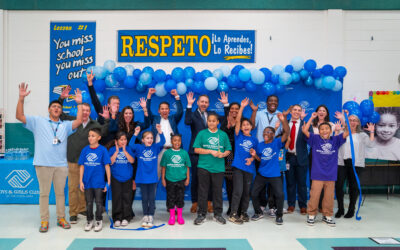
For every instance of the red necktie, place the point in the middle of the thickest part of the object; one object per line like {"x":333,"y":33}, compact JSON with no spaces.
{"x":292,"y":135}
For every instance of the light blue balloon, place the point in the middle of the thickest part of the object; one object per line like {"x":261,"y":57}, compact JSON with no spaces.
{"x":85,"y":96}
{"x":90,"y":69}
{"x":160,"y":89}
{"x":148,"y":69}
{"x":140,"y":87}
{"x":223,"y":87}
{"x":285,"y":78}
{"x":189,"y":82}
{"x":211,"y":83}
{"x":297,"y":63}
{"x":99,"y":72}
{"x":328,"y":82}
{"x":84,"y":76}
{"x":295,"y":77}
{"x":109,"y":65}
{"x":129,"y":70}
{"x":181,"y":88}
{"x":145,"y":78}
{"x":226,"y":71}
{"x":218,"y":74}
{"x":318,"y":83}
{"x":304,"y":74}
{"x":110,"y":80}
{"x":244,"y":75}
{"x":257,"y":77}
{"x":338,"y":86}
{"x":277,"y":69}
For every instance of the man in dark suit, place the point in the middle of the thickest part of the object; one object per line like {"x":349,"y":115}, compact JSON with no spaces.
{"x":297,"y":158}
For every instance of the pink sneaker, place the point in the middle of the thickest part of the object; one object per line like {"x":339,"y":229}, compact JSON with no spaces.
{"x":171,"y":220}
{"x":181,"y":221}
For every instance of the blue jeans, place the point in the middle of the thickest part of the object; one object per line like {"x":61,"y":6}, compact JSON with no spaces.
{"x":148,"y":198}
{"x":296,"y":179}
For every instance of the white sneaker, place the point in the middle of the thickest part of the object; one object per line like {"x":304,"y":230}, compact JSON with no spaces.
{"x":285,"y":211}
{"x":117,"y":223}
{"x":262,"y":209}
{"x":150,"y":222}
{"x":124,"y":223}
{"x":98,"y":225}
{"x":145,"y":221}
{"x":88,"y":225}
{"x":271,"y":212}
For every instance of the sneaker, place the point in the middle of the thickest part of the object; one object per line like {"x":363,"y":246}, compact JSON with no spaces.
{"x":235,"y":219}
{"x":124,"y":223}
{"x":44,"y":227}
{"x":88,"y":225}
{"x":98,"y":225}
{"x":262,"y":209}
{"x":329,"y":221}
{"x":73,"y":219}
{"x":117,"y":223}
{"x":244,"y":217}
{"x":150,"y":222}
{"x":145,"y":220}
{"x":256,"y":217}
{"x":220,"y":219}
{"x":271,"y":213}
{"x":63,"y":223}
{"x":284,"y":211}
{"x":310,"y":220}
{"x":200,"y":219}
{"x":278,"y":220}
{"x":84,"y":213}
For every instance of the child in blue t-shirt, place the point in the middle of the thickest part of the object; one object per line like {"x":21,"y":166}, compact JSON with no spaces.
{"x":325,"y":149}
{"x":122,"y":184}
{"x":146,"y":175}
{"x":94,"y":164}
{"x":243,"y":166}
{"x":269,"y":171}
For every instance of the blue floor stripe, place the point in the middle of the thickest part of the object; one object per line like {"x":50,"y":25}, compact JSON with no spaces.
{"x":328,"y":243}
{"x":9,"y":243}
{"x":229,"y":244}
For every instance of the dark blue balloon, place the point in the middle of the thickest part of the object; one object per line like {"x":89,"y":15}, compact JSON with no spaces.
{"x":152,"y":84}
{"x":351,"y":105}
{"x":198,"y":77}
{"x":170,"y":85}
{"x":304,"y":74}
{"x":148,"y":69}
{"x":341,"y":71}
{"x":130,"y":82}
{"x":140,"y":87}
{"x":198,"y":87}
{"x":364,"y":120}
{"x":236,"y":69}
{"x":119,"y":74}
{"x":367,"y":107}
{"x":356,"y":111}
{"x":233,"y":81}
{"x":99,"y":85}
{"x":223,"y":87}
{"x":269,"y":89}
{"x":289,"y":68}
{"x":178,"y":74}
{"x":279,"y":89}
{"x":267,"y":74}
{"x":159,"y":75}
{"x":168,"y":77}
{"x":239,"y":85}
{"x":137,"y":73}
{"x":275,"y":79}
{"x":189,"y":72}
{"x":375,"y":117}
{"x":310,"y":65}
{"x":206,"y":73}
{"x":327,"y":70}
{"x":316,"y":74}
{"x":250,"y":86}
{"x":224,"y":79}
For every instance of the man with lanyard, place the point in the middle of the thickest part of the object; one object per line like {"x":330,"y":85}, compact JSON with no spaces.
{"x":169,"y":123}
{"x":76,"y":142}
{"x":50,"y":158}
{"x":260,"y":120}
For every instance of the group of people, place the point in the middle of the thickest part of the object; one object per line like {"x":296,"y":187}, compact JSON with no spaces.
{"x":118,"y":152}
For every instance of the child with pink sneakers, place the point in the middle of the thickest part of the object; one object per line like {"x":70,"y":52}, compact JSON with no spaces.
{"x":175,"y":165}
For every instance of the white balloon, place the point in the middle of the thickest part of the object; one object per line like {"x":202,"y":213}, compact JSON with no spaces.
{"x":129,"y":70}
{"x":211,"y":83}
{"x":226,"y":70}
{"x":181,"y":88}
{"x":160,"y":90}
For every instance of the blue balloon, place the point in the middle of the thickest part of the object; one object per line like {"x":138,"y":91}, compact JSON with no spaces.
{"x":304,"y":74}
{"x":170,"y":85}
{"x":218,"y":74}
{"x":129,"y":70}
{"x":356,"y":112}
{"x":198,"y":87}
{"x":338,"y":86}
{"x":99,"y":72}
{"x":285,"y":78}
{"x":130,"y":82}
{"x":111,"y":82}
{"x":137,"y":73}
{"x":351,"y":105}
{"x":109,"y":65}
{"x":160,"y":89}
{"x":119,"y":74}
{"x":140,"y":87}
{"x":239,"y":85}
{"x":279,"y":89}
{"x":327,"y":70}
{"x":250,"y":86}
{"x":73,"y":111}
{"x":189,"y":82}
{"x":233,"y":81}
{"x":375,"y":117}
{"x":257,"y":77}
{"x":84,"y":76}
{"x":236,"y":69}
{"x":310,"y":65}
{"x":85,"y":96}
{"x":206,"y":73}
{"x":181,"y":88}
{"x":289,"y":68}
{"x":367,"y":107}
{"x":317,"y":82}
{"x":309,"y":81}
{"x":340,"y":71}
{"x":316,"y":74}
{"x":275,"y":79}
{"x":295,"y":77}
{"x":364,"y":120}
{"x":244,"y":75}
{"x":189,"y":72}
{"x":168,"y":77}
{"x":178,"y":74}
{"x":211,"y":83}
{"x":267,"y":74}
{"x":145,"y":78}
{"x":159,"y":75}
{"x":198,"y":77}
{"x":100,"y":96}
{"x":223,"y":87}
{"x":269,"y":89}
{"x":99,"y":85}
{"x":152,"y":84}
{"x":277,"y":69}
{"x":297,"y":63}
{"x":148,"y":69}
{"x":328,"y":82}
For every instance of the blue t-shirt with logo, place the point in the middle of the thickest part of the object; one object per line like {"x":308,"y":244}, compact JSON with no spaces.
{"x":243,"y":144}
{"x":94,"y":161}
{"x":269,"y":155}
{"x":147,"y":160}
{"x":122,"y":169}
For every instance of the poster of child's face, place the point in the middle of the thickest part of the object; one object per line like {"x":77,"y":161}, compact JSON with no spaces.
{"x":387,"y":135}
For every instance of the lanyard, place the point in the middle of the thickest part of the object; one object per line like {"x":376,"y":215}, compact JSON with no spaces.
{"x":54,"y":130}
{"x":270,"y":120}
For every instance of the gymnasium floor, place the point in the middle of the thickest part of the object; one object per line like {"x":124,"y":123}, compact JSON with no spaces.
{"x":380,"y":217}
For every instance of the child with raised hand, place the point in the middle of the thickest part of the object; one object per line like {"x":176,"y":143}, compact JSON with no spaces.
{"x":146,"y":175}
{"x":175,"y":173}
{"x":122,"y":184}
{"x":212,"y":145}
{"x":325,"y":150}
{"x":269,"y":171}
{"x":243,"y":166}
{"x":94,"y":164}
